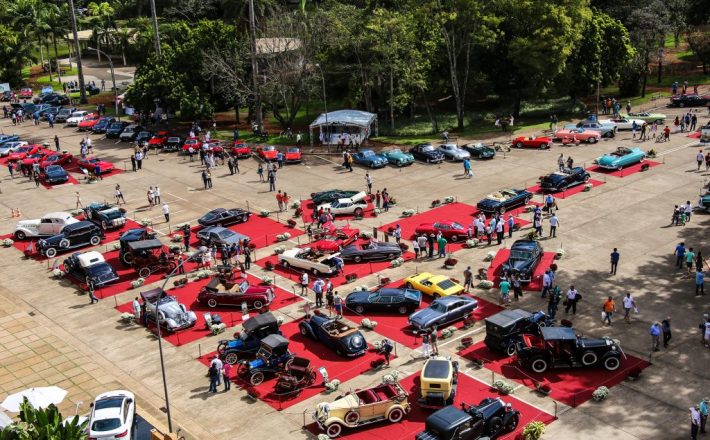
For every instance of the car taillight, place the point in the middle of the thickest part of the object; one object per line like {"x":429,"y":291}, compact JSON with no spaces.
{"x":123,"y":434}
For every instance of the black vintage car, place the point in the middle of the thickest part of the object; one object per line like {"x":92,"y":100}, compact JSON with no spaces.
{"x":689,"y":100}
{"x":427,"y":153}
{"x":246,"y":343}
{"x":131,"y":235}
{"x":561,"y":347}
{"x":224,"y":217}
{"x":90,"y":267}
{"x":561,"y":180}
{"x":336,"y":335}
{"x":105,"y":214}
{"x":370,"y":252}
{"x":75,"y":235}
{"x":273,"y":357}
{"x":504,"y":200}
{"x":403,"y":301}
{"x":332,"y":195}
{"x":524,"y":257}
{"x":490,"y":419}
{"x":174,"y":143}
{"x":480,"y":151}
{"x":504,"y":328}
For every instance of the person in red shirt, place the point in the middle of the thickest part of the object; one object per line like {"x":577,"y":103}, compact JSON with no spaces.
{"x":279,"y":200}
{"x":666,"y":134}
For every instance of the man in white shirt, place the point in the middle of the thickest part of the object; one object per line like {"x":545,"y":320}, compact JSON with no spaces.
{"x":572,"y":297}
{"x":629,"y":304}
{"x":687,"y":209}
{"x":304,"y":284}
{"x":546,"y":283}
{"x":699,"y":158}
{"x":499,"y":231}
{"x":694,"y":422}
{"x":554,"y":223}
{"x":166,"y":212}
{"x":156,"y":195}
{"x":217,"y":363}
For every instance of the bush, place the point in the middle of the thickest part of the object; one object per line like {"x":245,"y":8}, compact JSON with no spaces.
{"x":7,"y":242}
{"x":264,"y":213}
{"x":365,"y":235}
{"x":600,"y":393}
{"x":534,"y":430}
{"x":350,"y":277}
{"x":485,"y":284}
{"x":471,"y":243}
{"x":449,"y":199}
{"x":296,"y":205}
{"x":408,"y":213}
{"x":176,"y":238}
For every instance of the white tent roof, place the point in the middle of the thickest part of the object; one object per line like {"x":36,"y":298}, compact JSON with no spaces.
{"x":346,"y":117}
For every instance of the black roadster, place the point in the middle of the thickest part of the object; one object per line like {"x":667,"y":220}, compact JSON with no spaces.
{"x":370,"y":252}
{"x":504,"y":328}
{"x":561,"y":180}
{"x":490,"y":419}
{"x":224,"y":217}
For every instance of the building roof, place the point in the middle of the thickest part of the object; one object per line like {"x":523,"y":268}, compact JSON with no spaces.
{"x":345,"y":117}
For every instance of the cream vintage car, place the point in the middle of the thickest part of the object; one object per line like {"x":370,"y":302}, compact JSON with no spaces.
{"x":309,"y":260}
{"x":438,"y":382}
{"x":387,"y":401}
{"x":50,"y":224}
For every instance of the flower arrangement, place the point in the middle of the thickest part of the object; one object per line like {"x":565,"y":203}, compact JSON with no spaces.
{"x":58,"y":273}
{"x":393,"y":201}
{"x":397,"y":262}
{"x":362,"y":288}
{"x":176,"y":238}
{"x":333,"y":385}
{"x":391,"y":378}
{"x":485,"y":284}
{"x":384,"y":281}
{"x":269,"y":265}
{"x":137,"y":283}
{"x":281,"y":237}
{"x":182,"y":225}
{"x":450,"y":263}
{"x":477,"y":363}
{"x":298,"y":212}
{"x":503,"y":387}
{"x":201,"y":275}
{"x":127,"y":317}
{"x":449,"y":199}
{"x":588,"y":187}
{"x":651,"y":153}
{"x":468,"y":323}
{"x":218,"y":328}
{"x":7,"y":242}
{"x":116,"y":246}
{"x":267,"y":281}
{"x":376,"y":212}
{"x":489,"y":256}
{"x":278,"y":250}
{"x":350,"y":277}
{"x":645,"y":167}
{"x":264,"y":213}
{"x":291,"y":223}
{"x":296,"y":205}
{"x":407,"y":213}
{"x":368,"y":324}
{"x":534,"y":430}
{"x":532,"y":235}
{"x":435,"y":203}
{"x":180,"y":282}
{"x":600,"y":393}
{"x":471,"y":243}
{"x":279,"y":320}
{"x":543,"y":388}
{"x":147,"y":222}
{"x":365,"y":234}
{"x":634,"y":374}
{"x":323,"y":437}
{"x":447,"y":332}
{"x":466,"y":342}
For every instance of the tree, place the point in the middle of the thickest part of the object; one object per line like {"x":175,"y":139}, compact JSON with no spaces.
{"x":43,"y":424}
{"x":647,"y":26}
{"x":29,"y":18}
{"x":699,"y":43}
{"x":57,"y":21}
{"x":15,"y":51}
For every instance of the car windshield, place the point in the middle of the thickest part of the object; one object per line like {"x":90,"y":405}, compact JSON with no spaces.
{"x":293,"y":150}
{"x":77,"y":114}
{"x":174,"y":139}
{"x":445,"y":284}
{"x":367,"y":153}
{"x":438,"y":307}
{"x":411,"y":295}
{"x":106,"y":425}
{"x":110,"y":402}
{"x":53,"y":168}
{"x":373,"y":297}
{"x":269,"y":148}
{"x":455,"y":225}
{"x":116,"y":125}
{"x":520,"y":255}
{"x":427,"y":148}
{"x":225,"y":234}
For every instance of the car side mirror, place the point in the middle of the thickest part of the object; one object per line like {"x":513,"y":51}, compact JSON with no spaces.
{"x":91,"y":405}
{"x":130,"y":400}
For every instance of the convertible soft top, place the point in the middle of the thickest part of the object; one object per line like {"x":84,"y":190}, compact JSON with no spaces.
{"x":145,"y":244}
{"x":153,"y":295}
{"x":262,"y":320}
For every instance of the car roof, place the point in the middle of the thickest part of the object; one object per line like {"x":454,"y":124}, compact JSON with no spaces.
{"x":260,"y":320}
{"x":153,"y":294}
{"x":447,"y":418}
{"x":437,"y":368}
{"x":145,"y":244}
{"x":78,"y":225}
{"x":275,"y":341}
{"x":390,"y":292}
{"x":558,"y":333}
{"x":526,"y":244}
{"x":89,"y":258}
{"x":58,"y":214}
{"x":507,"y":317}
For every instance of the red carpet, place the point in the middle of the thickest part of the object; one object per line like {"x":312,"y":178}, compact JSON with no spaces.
{"x":470,"y":391}
{"x":694,"y":135}
{"x":308,"y":207}
{"x":71,"y":181}
{"x":263,"y":230}
{"x":459,"y":212}
{"x":338,"y":367}
{"x":568,"y":192}
{"x":536,"y":283}
{"x":74,"y":168}
{"x":633,"y":169}
{"x":571,"y":386}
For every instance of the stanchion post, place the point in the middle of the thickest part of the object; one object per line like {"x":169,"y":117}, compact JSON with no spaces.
{"x":199,"y":351}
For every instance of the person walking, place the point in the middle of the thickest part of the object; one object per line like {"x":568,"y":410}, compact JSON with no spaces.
{"x":78,"y":201}
{"x":434,"y":340}
{"x":136,"y":310}
{"x":91,"y":288}
{"x":554,"y":223}
{"x":441,"y":242}
{"x":655,"y":335}
{"x":571,"y":301}
{"x":166,"y":212}
{"x":546,"y":283}
{"x":689,"y":259}
{"x":699,"y":282}
{"x":609,"y":307}
{"x":614,"y":261}
{"x":304,"y":284}
{"x":703,"y":409}
{"x":467,"y":279}
{"x":504,"y":291}
{"x":679,"y":252}
{"x":214,"y":372}
{"x":338,"y":305}
{"x":227,"y":376}
{"x":368,"y":181}
{"x":629,"y":304}
{"x":426,"y":348}
{"x":694,"y":422}
{"x":517,"y":286}
{"x":666,"y":328}
{"x":272,"y":180}
{"x":700,"y":158}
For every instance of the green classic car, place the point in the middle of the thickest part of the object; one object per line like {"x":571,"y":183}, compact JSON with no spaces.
{"x":704,"y":201}
{"x":398,"y":157}
{"x":647,"y":117}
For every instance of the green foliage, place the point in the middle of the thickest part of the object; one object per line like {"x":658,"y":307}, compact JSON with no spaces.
{"x":699,"y":43}
{"x":534,"y":430}
{"x":15,"y":51}
{"x":43,"y":424}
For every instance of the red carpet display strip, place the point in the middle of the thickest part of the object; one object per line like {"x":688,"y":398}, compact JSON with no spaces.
{"x":338,"y":367}
{"x":694,"y":135}
{"x":71,"y":181}
{"x":535,"y":284}
{"x":535,"y":189}
{"x":458,"y":212}
{"x":470,"y":390}
{"x":571,"y":386}
{"x":308,"y":207}
{"x":74,"y":168}
{"x":263,"y":230}
{"x":231,"y":316}
{"x":627,"y":171}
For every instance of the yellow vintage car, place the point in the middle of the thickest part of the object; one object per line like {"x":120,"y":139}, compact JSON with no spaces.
{"x":387,"y":401}
{"x":433,"y":285}
{"x":437,"y":382}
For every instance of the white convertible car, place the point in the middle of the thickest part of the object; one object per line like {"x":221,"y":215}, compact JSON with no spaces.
{"x":354,"y":205}
{"x":623,"y":123}
{"x":76,"y":117}
{"x":47,"y":226}
{"x":309,"y":260}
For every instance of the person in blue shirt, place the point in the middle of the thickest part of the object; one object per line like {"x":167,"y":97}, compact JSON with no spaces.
{"x":703,"y":407}
{"x":511,"y":225}
{"x":614,"y":261}
{"x":679,"y":253}
{"x":280,"y":159}
{"x":699,"y":283}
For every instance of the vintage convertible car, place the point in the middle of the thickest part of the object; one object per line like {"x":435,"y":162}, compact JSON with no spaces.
{"x":505,"y":327}
{"x":480,"y":151}
{"x":240,"y":149}
{"x":561,"y":180}
{"x":172,"y":315}
{"x":450,"y":229}
{"x":427,"y":153}
{"x":354,"y":205}
{"x":219,"y":235}
{"x":50,"y":224}
{"x":395,"y":156}
{"x":224,"y":217}
{"x":268,"y":152}
{"x":402,"y":301}
{"x":222,"y":292}
{"x":454,"y":152}
{"x":125,"y":253}
{"x":331,"y":196}
{"x":247,"y":342}
{"x":308,"y":260}
{"x":75,"y":235}
{"x":272,"y":358}
{"x":372,"y":251}
{"x":607,"y":130}
{"x":490,"y":419}
{"x":105,"y":214}
{"x":623,"y":123}
{"x":191,"y":142}
{"x":62,"y":158}
{"x":90,"y":267}
{"x":689,"y":100}
{"x":561,"y":347}
{"x":293,"y":155}
{"x":370,"y":159}
{"x":90,"y":164}
{"x":335,"y":334}
{"x":578,"y":134}
{"x":385,"y":402}
{"x":433,"y":285}
{"x":542,"y":142}
{"x":622,"y":157}
{"x":54,"y":174}
{"x":438,"y":382}
{"x":503,"y":200}
{"x":647,"y":117}
{"x":88,"y":123}
{"x":443,"y":311}
{"x":331,"y":238}
{"x":524,"y":257}
{"x":173,"y":143}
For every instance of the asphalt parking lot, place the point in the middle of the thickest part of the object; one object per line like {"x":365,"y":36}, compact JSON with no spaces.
{"x":630,"y":212}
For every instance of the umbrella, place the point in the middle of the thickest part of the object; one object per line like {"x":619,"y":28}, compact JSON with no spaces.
{"x":5,"y":420}
{"x":40,"y":397}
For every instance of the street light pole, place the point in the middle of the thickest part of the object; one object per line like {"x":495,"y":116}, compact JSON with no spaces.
{"x":77,"y":49}
{"x":325,"y":102}
{"x":113,"y":80}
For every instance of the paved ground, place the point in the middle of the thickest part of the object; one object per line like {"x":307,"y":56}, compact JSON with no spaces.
{"x":49,"y":333}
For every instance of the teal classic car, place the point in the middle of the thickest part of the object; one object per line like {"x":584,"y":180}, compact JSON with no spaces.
{"x":398,"y":157}
{"x":704,"y":201}
{"x":621,"y":158}
{"x":647,"y":117}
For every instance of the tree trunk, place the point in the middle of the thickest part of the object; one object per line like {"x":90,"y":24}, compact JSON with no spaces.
{"x":236,"y":112}
{"x":451,"y":54}
{"x":123,"y":55}
{"x":645,"y":76}
{"x":69,"y":48}
{"x":676,"y":35}
{"x":49,"y":62}
{"x":41,"y":52}
{"x":705,"y":68}
{"x":98,"y":46}
{"x":432,"y":118}
{"x":56,"y":57}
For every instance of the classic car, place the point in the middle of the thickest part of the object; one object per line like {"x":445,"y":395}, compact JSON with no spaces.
{"x":103,"y":125}
{"x":622,"y":157}
{"x":143,"y":136}
{"x":443,"y":311}
{"x":373,"y":251}
{"x":647,"y":117}
{"x":5,"y":138}
{"x":35,"y":158}
{"x":504,"y":200}
{"x":6,"y":96}
{"x":385,"y":402}
{"x":354,"y":205}
{"x":689,"y":100}
{"x":454,"y":152}
{"x":72,"y":236}
{"x":56,"y":99}
{"x":479,"y":151}
{"x":113,"y":415}
{"x":268,"y":152}
{"x":90,"y":163}
{"x":489,"y":419}
{"x":607,"y":130}
{"x":240,"y":149}
{"x":10,"y":146}
{"x":26,"y":108}
{"x":39,"y":110}
{"x":219,"y":235}
{"x":427,"y":153}
{"x":433,"y":285}
{"x":193,"y":143}
{"x":542,"y":142}
{"x":705,"y":133}
{"x":76,"y":117}
{"x":273,"y":357}
{"x":125,"y":253}
{"x":214,"y":146}
{"x":50,"y":224}
{"x":247,"y":342}
{"x":173,"y":143}
{"x":309,"y":260}
{"x":115,"y":129}
{"x":403,"y":301}
{"x":561,"y":180}
{"x":370,"y":159}
{"x":22,"y":152}
{"x":54,"y":174}
{"x":159,"y":139}
{"x":224,"y":217}
{"x":130,"y":132}
{"x":505,"y":327}
{"x":561,"y":347}
{"x":172,"y":315}
{"x":64,"y":114}
{"x":331,"y":196}
{"x":578,"y":134}
{"x":51,"y":110}
{"x":450,"y":229}
{"x":62,"y":158}
{"x":524,"y":257}
{"x":623,"y":123}
{"x":149,"y":256}
{"x":223,"y":292}
{"x":88,"y":122}
{"x":106,"y":215}
{"x":293,"y":155}
{"x":337,"y":335}
{"x":395,"y":156}
{"x":438,"y":382}
{"x":333,"y":238}
{"x":90,"y":267}
{"x":25,"y":92}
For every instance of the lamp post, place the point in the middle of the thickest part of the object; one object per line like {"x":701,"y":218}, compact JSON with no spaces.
{"x":113,"y":80}
{"x":325,"y":102}
{"x":194,"y":255}
{"x":156,"y":35}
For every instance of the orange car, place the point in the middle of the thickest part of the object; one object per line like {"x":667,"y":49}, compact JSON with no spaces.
{"x":578,"y":135}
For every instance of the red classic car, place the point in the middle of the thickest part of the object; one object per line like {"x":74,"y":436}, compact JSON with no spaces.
{"x":88,"y":122}
{"x":191,"y":142}
{"x":23,"y":152}
{"x":25,"y":92}
{"x":62,"y":158}
{"x":293,"y":155}
{"x":450,"y":229}
{"x":575,"y":135}
{"x":334,"y":238}
{"x":240,"y":149}
{"x":223,"y":292}
{"x":159,"y":139}
{"x":90,"y":163}
{"x":268,"y":152}
{"x":36,"y":158}
{"x":541,"y":142}
{"x":214,"y":146}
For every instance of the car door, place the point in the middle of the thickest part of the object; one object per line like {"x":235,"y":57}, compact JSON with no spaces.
{"x":384,"y":303}
{"x":344,"y":208}
{"x":47,"y":227}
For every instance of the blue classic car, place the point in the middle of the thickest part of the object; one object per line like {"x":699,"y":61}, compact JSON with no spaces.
{"x":8,"y":138}
{"x":370,"y":159}
{"x":504,"y":200}
{"x":395,"y":156}
{"x":105,"y":214}
{"x":443,"y":311}
{"x":337,"y":335}
{"x":622,"y":157}
{"x":55,"y":174}
{"x":247,"y":343}
{"x":524,"y":257}
{"x":273,"y":357}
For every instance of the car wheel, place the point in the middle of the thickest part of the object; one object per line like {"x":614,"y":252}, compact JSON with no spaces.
{"x":127,"y":258}
{"x":518,"y":145}
{"x":391,"y":256}
{"x":586,"y":178}
{"x":20,"y":235}
{"x":257,"y":378}
{"x":612,"y":363}
{"x":231,"y":358}
{"x":315,"y":271}
{"x":358,"y":212}
{"x":303,"y":330}
{"x":527,"y":200}
{"x":538,"y":365}
{"x":513,"y":423}
{"x":589,"y":358}
{"x":501,"y":210}
{"x":64,"y":243}
{"x":359,"y":310}
{"x":50,"y":252}
{"x":357,"y":258}
{"x":495,"y":425}
{"x":95,"y":240}
{"x":334,"y":430}
{"x":212,"y":302}
{"x":352,"y":417}
{"x":144,"y":272}
{"x":258,"y":305}
{"x":543,"y":146}
{"x":396,"y":415}
{"x":402,"y":310}
{"x":681,"y":105}
{"x":454,"y":238}
{"x":592,"y":140}
{"x":510,"y":349}
{"x":104,"y":225}
{"x":285,"y":264}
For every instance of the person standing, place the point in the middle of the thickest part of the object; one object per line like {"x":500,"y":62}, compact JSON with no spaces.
{"x":186,"y":237}
{"x":700,"y":158}
{"x":467,"y":279}
{"x":629,"y":304}
{"x":666,"y":328}
{"x":134,"y":164}
{"x":694,"y":423}
{"x":571,"y":301}
{"x":397,"y":234}
{"x":689,"y":259}
{"x":318,"y":290}
{"x":227,"y":376}
{"x":387,"y":348}
{"x":338,"y":305}
{"x":699,"y":282}
{"x":500,"y":232}
{"x":271,"y":177}
{"x":430,"y":242}
{"x":552,"y":306}
{"x":655,"y":335}
{"x":304,"y":284}
{"x":554,"y":223}
{"x":546,"y":283}
{"x":441,"y":242}
{"x":166,"y":212}
{"x":511,"y":225}
{"x":426,"y":348}
{"x":504,"y":291}
{"x":90,"y":287}
{"x":136,"y":310}
{"x":139,"y":159}
{"x":614,"y":261}
{"x":434,"y":340}
{"x":247,"y":258}
{"x":56,"y":142}
{"x":368,"y":180}
{"x":279,"y":200}
{"x":609,"y":307}
{"x":415,"y":248}
{"x":78,"y":201}
{"x":679,"y":252}
{"x":156,"y":195}
{"x":703,"y":409}
{"x":378,"y":196}
{"x":517,"y":287}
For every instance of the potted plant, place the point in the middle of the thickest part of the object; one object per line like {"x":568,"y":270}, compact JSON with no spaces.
{"x":269,"y":265}
{"x":600,"y":393}
{"x":384,"y":281}
{"x":435,"y":203}
{"x":450,"y":263}
{"x":534,"y":430}
{"x":252,"y":246}
{"x":350,"y":277}
{"x":291,"y":223}
{"x":297,"y":212}
{"x":404,"y":247}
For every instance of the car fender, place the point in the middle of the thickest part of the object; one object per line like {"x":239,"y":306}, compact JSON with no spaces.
{"x":333,"y":419}
{"x":192,"y":317}
{"x":170,"y":323}
{"x":27,"y":231}
{"x":405,"y":410}
{"x":508,"y":416}
{"x":309,"y":329}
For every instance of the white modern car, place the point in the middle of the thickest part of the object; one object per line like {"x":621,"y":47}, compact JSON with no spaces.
{"x":50,"y":224}
{"x":705,"y":133}
{"x":354,"y":205}
{"x":76,"y":117}
{"x":454,"y":152}
{"x":113,"y":416}
{"x":10,"y":147}
{"x":623,"y":123}
{"x":309,"y":260}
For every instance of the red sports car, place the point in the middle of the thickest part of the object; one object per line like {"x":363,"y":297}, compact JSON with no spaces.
{"x":62,"y":158}
{"x":335,"y":238}
{"x":159,"y":139}
{"x":293,"y":155}
{"x":541,"y":142}
{"x":267,"y":153}
{"x":36,"y":157}
{"x":23,"y":152}
{"x":90,"y":165}
{"x":191,"y":142}
{"x":25,"y":92}
{"x":222,"y":292}
{"x":241,"y":149}
{"x":450,"y":229}
{"x":214,"y":146}
{"x":88,"y":122}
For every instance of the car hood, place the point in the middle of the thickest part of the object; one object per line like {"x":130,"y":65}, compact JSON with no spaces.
{"x":519,"y":265}
{"x":424,"y":317}
{"x":359,"y":297}
{"x":55,"y":172}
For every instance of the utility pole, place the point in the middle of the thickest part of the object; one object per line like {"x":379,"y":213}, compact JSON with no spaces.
{"x":77,"y":49}
{"x":156,"y":35}
{"x":254,"y":65}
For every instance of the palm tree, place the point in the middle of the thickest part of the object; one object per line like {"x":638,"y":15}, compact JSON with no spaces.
{"x":102,"y":24}
{"x":57,"y":21}
{"x":123,"y":37}
{"x":30,"y":16}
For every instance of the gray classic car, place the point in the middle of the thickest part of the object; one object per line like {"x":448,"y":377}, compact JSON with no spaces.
{"x":370,"y":251}
{"x":171,"y":314}
{"x":442,"y":311}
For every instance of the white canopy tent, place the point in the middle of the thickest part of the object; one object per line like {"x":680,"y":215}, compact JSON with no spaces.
{"x":344,"y":125}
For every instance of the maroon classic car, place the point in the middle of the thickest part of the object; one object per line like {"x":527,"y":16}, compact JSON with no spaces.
{"x":221,"y":292}
{"x":450,"y":229}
